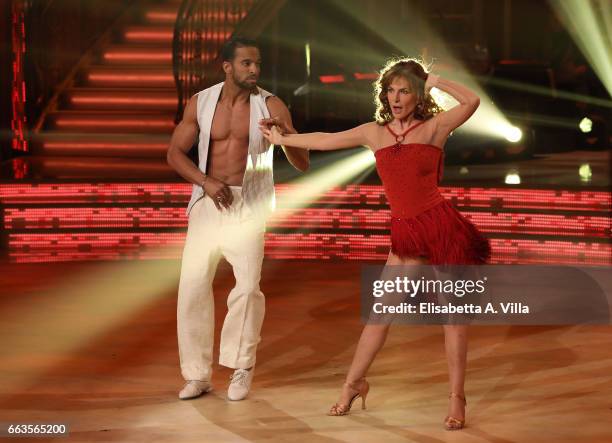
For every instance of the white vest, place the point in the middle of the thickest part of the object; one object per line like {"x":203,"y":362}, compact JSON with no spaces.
{"x":258,"y":180}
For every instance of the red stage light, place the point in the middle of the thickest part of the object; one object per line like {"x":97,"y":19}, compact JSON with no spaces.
{"x":331,"y":78}
{"x":18,"y":90}
{"x":147,"y":245}
{"x":159,"y":207}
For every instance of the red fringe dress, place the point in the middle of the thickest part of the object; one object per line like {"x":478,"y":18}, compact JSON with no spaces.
{"x":423,"y":222}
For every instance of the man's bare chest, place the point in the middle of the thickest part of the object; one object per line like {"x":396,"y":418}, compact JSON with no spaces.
{"x":230,"y":123}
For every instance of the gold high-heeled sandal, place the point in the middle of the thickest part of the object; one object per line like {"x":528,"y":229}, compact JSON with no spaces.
{"x":342,"y":409}
{"x":452,"y":423}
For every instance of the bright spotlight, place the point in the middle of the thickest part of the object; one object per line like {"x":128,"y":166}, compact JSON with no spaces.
{"x":586,"y":125}
{"x":513,"y":134}
{"x":512,"y":178}
{"x":585,"y":172}
{"x":309,"y":187}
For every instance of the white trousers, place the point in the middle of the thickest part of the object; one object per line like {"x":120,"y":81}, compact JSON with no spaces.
{"x":238,"y":236}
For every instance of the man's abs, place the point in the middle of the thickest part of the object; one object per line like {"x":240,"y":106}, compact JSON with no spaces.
{"x":229,"y":143}
{"x":227,"y":160}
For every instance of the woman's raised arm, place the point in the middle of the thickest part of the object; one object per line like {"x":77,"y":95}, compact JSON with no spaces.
{"x":321,"y":141}
{"x":449,"y":120}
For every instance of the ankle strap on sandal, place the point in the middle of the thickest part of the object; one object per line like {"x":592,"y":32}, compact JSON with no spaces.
{"x":454,"y":394}
{"x":353,"y":384}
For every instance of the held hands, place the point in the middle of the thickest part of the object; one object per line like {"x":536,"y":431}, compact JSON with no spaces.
{"x":269,"y":127}
{"x":220,"y":193}
{"x":272,"y":135}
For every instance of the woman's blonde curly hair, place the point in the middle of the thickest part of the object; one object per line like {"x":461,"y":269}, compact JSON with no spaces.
{"x":412,"y":70}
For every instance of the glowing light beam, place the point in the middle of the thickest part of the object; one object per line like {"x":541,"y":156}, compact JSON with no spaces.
{"x":589,"y":26}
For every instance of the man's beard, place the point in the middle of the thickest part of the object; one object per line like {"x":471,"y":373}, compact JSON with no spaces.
{"x":244,"y":84}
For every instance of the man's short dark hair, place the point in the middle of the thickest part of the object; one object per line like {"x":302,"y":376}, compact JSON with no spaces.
{"x":228,"y":51}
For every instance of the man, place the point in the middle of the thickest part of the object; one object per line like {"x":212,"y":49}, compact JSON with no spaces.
{"x":233,"y":192}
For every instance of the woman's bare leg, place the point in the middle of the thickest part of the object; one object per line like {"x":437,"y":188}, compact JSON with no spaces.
{"x":455,"y":342}
{"x":371,"y":341}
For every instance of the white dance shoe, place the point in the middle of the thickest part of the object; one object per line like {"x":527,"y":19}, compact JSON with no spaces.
{"x":194,"y":388}
{"x":240,"y":384}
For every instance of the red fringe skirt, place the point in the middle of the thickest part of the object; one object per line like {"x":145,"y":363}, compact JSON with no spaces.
{"x":442,"y":235}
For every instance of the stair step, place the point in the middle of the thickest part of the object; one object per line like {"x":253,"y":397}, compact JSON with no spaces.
{"x":102,"y":145}
{"x":166,"y":14}
{"x":165,"y":34}
{"x":142,"y":55}
{"x":112,"y":122}
{"x":151,"y":33}
{"x":137,"y":55}
{"x":162,"y":14}
{"x":129,"y":75}
{"x":124,"y":99}
{"x":98,"y":169}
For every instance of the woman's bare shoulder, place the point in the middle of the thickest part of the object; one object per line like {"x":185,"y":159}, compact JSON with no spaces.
{"x":372,"y":132}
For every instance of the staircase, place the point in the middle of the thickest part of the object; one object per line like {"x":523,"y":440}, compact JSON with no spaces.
{"x":124,"y":104}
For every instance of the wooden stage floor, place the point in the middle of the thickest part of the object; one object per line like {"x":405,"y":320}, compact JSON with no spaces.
{"x":94,"y":345}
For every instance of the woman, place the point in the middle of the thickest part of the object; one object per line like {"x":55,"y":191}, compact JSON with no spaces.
{"x":407,"y":139}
